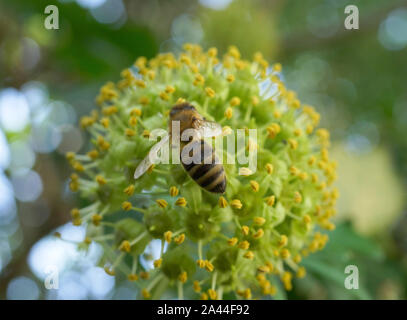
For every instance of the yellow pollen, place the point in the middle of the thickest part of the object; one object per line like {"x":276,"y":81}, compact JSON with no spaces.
{"x":129,"y":190}
{"x":208,"y":266}
{"x":229,"y":113}
{"x":179,"y":239}
{"x":174,"y":191}
{"x":297,"y":197}
{"x":100,"y":180}
{"x":157,"y":263}
{"x":212,"y":294}
{"x":126,"y":205}
{"x":230,"y":78}
{"x":255,"y":185}
{"x":258,"y":234}
{"x":125,"y":246}
{"x":232,"y":241}
{"x":210,"y":92}
{"x":235,"y":101}
{"x":259,"y":221}
{"x":249,"y":255}
{"x":245,"y":230}
{"x":183,"y":277}
{"x":271,"y":200}
{"x":181,"y":202}
{"x":162,"y":203}
{"x":96,"y":218}
{"x":244,"y":245}
{"x":196,"y":286}
{"x":236,"y":203}
{"x":168,"y":236}
{"x":222,"y":202}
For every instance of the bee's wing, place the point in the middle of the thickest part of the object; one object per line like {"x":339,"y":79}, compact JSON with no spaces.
{"x":151,"y":157}
{"x":208,"y":129}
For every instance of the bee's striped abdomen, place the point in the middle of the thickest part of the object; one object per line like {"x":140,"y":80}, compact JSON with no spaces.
{"x":210,"y":176}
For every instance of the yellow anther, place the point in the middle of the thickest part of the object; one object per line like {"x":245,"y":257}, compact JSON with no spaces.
{"x":303,"y":176}
{"x":294,"y":171}
{"x":259,"y":221}
{"x":196,"y":286}
{"x":105,"y":122}
{"x":168,"y":236}
{"x":277,"y":114}
{"x":254,"y":185}
{"x":144,"y":275}
{"x":174,"y":191}
{"x":249,"y":255}
{"x":210,"y":92}
{"x":133,"y":121}
{"x":126,"y":205}
{"x":132,"y":277}
{"x":164,"y":96}
{"x":235,"y":101}
{"x":273,"y":130}
{"x":212,"y":52}
{"x":96,"y":218}
{"x":283,"y":240}
{"x":180,"y":100}
{"x":140,"y":83}
{"x":162,"y":203}
{"x":259,"y":233}
{"x":245,"y":230}
{"x":77,"y":166}
{"x":244,"y":245}
{"x":100,"y":180}
{"x":70,"y":156}
{"x":232,"y":241}
{"x":204,"y":296}
{"x":277,"y":67}
{"x":93,"y":154}
{"x":77,"y":222}
{"x":285,"y":253}
{"x":271,"y":200}
{"x":212,"y":294}
{"x":200,"y":263}
{"x":297,"y":258}
{"x":129,"y":190}
{"x":297,"y":197}
{"x":229,"y":113}
{"x":183,"y":277}
{"x":306,"y":219}
{"x":145,"y":293}
{"x":125,"y":246}
{"x":230,"y":78}
{"x":179,"y":239}
{"x":158,"y":262}
{"x":263,"y":269}
{"x":236,"y":203}
{"x":75,"y":213}
{"x":169,"y":89}
{"x":222,"y":202}
{"x":181,"y":202}
{"x":209,"y":266}
{"x":143,"y":101}
{"x":293,"y":143}
{"x":301,"y":272}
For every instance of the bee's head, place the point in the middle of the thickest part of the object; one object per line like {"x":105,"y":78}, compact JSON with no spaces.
{"x":186,"y":114}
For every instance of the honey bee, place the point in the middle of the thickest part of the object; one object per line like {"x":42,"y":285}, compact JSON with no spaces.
{"x":205,"y":170}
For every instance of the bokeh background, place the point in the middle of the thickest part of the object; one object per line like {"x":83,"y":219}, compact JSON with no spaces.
{"x":357,"y":79}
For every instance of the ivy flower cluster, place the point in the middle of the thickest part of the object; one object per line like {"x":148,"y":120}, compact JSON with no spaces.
{"x":243,"y":244}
